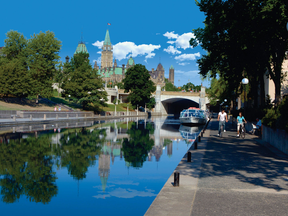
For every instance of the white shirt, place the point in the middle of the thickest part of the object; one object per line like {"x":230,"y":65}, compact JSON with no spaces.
{"x":222,"y":116}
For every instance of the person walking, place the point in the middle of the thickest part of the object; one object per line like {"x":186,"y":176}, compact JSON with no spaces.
{"x":59,"y":108}
{"x":222,"y":117}
{"x":55,"y":109}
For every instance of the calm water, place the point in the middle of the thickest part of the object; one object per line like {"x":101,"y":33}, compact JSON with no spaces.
{"x":110,"y":168}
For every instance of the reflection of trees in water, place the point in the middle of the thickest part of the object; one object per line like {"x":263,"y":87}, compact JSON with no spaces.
{"x":26,"y":169}
{"x":79,"y":149}
{"x":136,"y":148}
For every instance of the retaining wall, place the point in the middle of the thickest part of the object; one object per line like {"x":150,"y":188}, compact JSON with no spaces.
{"x":277,"y":138}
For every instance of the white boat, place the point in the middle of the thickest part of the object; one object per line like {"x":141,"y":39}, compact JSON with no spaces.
{"x":193,"y":115}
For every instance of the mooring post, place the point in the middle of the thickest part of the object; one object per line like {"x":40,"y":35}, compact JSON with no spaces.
{"x":189,"y":155}
{"x":176,"y":178}
{"x":195,"y":144}
{"x":199,"y":138}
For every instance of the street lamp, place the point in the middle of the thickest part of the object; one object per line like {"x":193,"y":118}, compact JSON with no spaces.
{"x":245,"y":81}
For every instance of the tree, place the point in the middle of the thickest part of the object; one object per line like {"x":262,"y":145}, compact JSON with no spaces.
{"x":169,"y":86}
{"x":43,"y":50}
{"x":83,"y":83}
{"x":243,"y":38}
{"x":14,"y":77}
{"x":137,"y":81}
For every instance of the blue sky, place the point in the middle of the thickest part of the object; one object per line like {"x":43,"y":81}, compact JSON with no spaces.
{"x":154,"y":30}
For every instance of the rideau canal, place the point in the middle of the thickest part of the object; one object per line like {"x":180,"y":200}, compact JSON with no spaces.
{"x":114,"y":167}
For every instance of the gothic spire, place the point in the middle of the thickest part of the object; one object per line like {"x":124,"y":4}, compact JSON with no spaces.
{"x":107,"y":39}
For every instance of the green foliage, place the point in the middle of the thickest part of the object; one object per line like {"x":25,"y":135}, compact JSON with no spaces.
{"x":169,"y":86}
{"x":238,"y":45}
{"x":277,"y":117}
{"x":136,"y":148}
{"x":137,"y":81}
{"x":28,"y":66}
{"x":79,"y":150}
{"x":26,"y":169}
{"x":83,"y":84}
{"x":190,"y":86}
{"x":151,"y":103}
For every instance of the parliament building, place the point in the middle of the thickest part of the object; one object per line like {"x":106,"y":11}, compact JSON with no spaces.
{"x":111,"y":72}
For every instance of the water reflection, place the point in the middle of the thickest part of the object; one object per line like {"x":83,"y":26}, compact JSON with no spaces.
{"x":26,"y":170}
{"x":29,"y":161}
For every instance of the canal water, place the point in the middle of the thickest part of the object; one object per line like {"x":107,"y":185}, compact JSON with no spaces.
{"x":110,"y":167}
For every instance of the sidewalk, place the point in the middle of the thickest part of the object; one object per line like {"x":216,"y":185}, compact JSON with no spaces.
{"x":229,"y":176}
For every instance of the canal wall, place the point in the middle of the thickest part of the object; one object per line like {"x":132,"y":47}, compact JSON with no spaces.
{"x":277,"y":138}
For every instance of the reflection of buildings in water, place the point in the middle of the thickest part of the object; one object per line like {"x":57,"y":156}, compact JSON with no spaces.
{"x":104,"y":169}
{"x":170,"y":149}
{"x":108,"y":151}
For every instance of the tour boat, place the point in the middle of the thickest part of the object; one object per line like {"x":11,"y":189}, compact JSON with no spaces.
{"x":193,"y":115}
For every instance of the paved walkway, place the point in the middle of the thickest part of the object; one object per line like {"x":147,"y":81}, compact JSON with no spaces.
{"x":228,"y":176}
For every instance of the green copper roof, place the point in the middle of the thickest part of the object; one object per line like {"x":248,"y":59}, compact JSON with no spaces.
{"x":103,"y":182}
{"x":118,"y":71}
{"x":81,"y":48}
{"x":107,"y":39}
{"x":130,"y":61}
{"x":171,"y":67}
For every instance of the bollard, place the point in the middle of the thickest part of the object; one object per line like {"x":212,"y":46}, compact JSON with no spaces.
{"x":202,"y":134}
{"x":195,"y":144}
{"x":56,"y":116}
{"x":30,"y":117}
{"x":176,"y":178}
{"x":189,"y":156}
{"x":199,"y":138}
{"x":44,"y":116}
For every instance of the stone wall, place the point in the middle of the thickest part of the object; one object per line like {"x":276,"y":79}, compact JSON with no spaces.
{"x":277,"y":138}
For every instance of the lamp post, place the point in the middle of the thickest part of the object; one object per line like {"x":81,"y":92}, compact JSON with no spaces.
{"x":69,"y":97}
{"x":245,"y":81}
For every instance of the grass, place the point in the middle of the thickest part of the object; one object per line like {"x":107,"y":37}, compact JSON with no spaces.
{"x":24,"y":104}
{"x":119,"y":107}
{"x":60,"y":100}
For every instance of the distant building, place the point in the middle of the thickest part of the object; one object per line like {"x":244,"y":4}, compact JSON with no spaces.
{"x":171,"y":74}
{"x":81,"y":48}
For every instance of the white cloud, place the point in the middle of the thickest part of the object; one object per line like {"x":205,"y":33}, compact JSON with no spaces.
{"x":186,"y":72}
{"x":183,"y":63}
{"x":98,"y":44}
{"x":122,"y":50}
{"x":185,"y":57}
{"x":182,"y":41}
{"x":98,"y":60}
{"x":170,"y":35}
{"x":99,"y":52}
{"x":172,"y":50}
{"x":127,"y":193}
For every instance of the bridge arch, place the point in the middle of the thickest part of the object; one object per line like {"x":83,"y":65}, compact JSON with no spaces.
{"x":176,"y":105}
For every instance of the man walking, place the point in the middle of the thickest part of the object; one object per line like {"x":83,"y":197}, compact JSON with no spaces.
{"x":222,"y":116}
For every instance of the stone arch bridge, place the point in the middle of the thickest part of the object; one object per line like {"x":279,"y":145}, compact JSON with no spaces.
{"x":167,"y":102}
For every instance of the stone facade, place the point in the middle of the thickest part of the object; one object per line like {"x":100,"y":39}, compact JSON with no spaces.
{"x":171,"y":74}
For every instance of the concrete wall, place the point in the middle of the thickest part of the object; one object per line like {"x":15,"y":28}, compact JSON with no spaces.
{"x":276,"y":138}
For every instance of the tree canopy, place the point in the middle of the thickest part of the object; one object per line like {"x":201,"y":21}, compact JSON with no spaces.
{"x":27,"y":66}
{"x":242,"y":39}
{"x":137,"y":82}
{"x":83,"y":83}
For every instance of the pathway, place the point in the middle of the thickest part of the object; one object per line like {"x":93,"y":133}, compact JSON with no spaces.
{"x":228,"y":176}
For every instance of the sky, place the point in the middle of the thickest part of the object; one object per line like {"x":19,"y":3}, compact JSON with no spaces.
{"x":154,"y":31}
